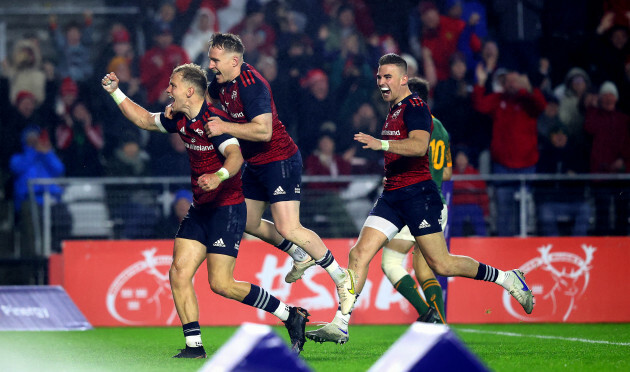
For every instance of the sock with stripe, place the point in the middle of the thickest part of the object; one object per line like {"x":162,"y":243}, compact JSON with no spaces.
{"x":490,"y":274}
{"x":433,"y":293}
{"x":329,"y":264}
{"x":298,"y":254}
{"x":192,"y":333}
{"x":409,"y":289}
{"x":261,"y":299}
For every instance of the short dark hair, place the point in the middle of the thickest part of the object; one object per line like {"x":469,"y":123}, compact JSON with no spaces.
{"x":393,"y":59}
{"x":228,"y":42}
{"x":420,"y":86}
{"x":194,"y":75}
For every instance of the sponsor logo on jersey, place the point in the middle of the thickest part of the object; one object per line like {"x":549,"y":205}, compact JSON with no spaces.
{"x":390,"y":133}
{"x":279,"y":191}
{"x":424,"y":224}
{"x":219,"y":243}
{"x":199,"y":148}
{"x":237,"y":115}
{"x":396,"y":113}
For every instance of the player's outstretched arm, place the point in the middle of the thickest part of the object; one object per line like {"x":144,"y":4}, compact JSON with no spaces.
{"x":132,"y":111}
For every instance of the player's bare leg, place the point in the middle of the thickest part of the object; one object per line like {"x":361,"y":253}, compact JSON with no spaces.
{"x":267,"y":232}
{"x":187,"y":257}
{"x":433,"y":248}
{"x":222,"y":282}
{"x":286,"y":215}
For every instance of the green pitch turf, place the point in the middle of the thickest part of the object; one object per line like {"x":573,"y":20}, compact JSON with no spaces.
{"x":529,"y":347}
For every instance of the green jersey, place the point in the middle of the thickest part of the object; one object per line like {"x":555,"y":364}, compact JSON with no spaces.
{"x":439,"y":153}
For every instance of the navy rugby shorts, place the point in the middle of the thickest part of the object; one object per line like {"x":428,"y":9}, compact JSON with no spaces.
{"x":220,"y":229}
{"x":418,"y":206}
{"x":274,"y":182}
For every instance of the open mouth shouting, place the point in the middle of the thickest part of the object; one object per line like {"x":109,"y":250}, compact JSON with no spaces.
{"x":386,"y":92}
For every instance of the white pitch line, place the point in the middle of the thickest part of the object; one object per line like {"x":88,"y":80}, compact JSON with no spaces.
{"x":512,"y":334}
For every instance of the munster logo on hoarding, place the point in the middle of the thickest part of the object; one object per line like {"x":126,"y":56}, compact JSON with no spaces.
{"x":141,"y":294}
{"x":558,"y":280}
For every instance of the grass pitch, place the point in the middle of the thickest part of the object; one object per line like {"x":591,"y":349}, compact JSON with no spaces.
{"x":532,"y":347}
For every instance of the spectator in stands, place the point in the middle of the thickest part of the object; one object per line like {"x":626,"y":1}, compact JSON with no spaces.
{"x":514,"y":143}
{"x":73,"y":48}
{"x":38,"y":160}
{"x":195,"y":41}
{"x":559,"y":201}
{"x":338,"y":28}
{"x":78,"y":138}
{"x":519,"y":29}
{"x":549,"y":119}
{"x":119,"y":47}
{"x":133,"y":208}
{"x":25,"y":72}
{"x":470,"y":200}
{"x":452,"y":104}
{"x":350,"y":74}
{"x":363,"y":161}
{"x":571,"y":95}
{"x":284,"y":89}
{"x":175,"y":18}
{"x":611,"y":49}
{"x":325,"y":195}
{"x":15,"y":118}
{"x":490,"y":63}
{"x":609,"y":130}
{"x":316,"y":105}
{"x":157,"y":64}
{"x":167,"y":227}
{"x":441,"y":35}
{"x":258,"y":37}
{"x":465,"y":10}
{"x":116,"y":122}
{"x":130,"y":159}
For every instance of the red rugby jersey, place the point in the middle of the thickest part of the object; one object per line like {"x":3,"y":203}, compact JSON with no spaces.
{"x":409,"y":114}
{"x":205,"y":155}
{"x":246,"y":97}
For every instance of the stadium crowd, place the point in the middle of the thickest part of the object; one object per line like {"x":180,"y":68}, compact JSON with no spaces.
{"x":521,"y":86}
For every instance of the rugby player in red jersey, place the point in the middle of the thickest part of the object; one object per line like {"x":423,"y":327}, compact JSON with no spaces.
{"x":273,"y":168}
{"x":410,"y":197}
{"x":215,"y":222}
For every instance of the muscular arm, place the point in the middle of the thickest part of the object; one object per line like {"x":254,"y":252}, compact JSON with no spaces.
{"x":233,"y":159}
{"x":137,"y":114}
{"x":258,"y":130}
{"x":415,"y":145}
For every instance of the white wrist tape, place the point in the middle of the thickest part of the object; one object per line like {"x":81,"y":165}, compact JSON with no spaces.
{"x":384,"y":145}
{"x":223,"y":174}
{"x":118,"y":96}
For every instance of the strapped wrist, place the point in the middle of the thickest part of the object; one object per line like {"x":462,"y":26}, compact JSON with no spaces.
{"x":118,"y":96}
{"x":384,"y":145}
{"x":223,"y":174}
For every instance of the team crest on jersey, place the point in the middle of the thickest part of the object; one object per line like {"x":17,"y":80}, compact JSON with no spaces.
{"x":199,"y":131}
{"x":396,"y":113}
{"x":234,"y":94}
{"x":183,"y":130}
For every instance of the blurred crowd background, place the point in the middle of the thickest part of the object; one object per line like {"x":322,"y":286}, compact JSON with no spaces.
{"x":522,"y":86}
